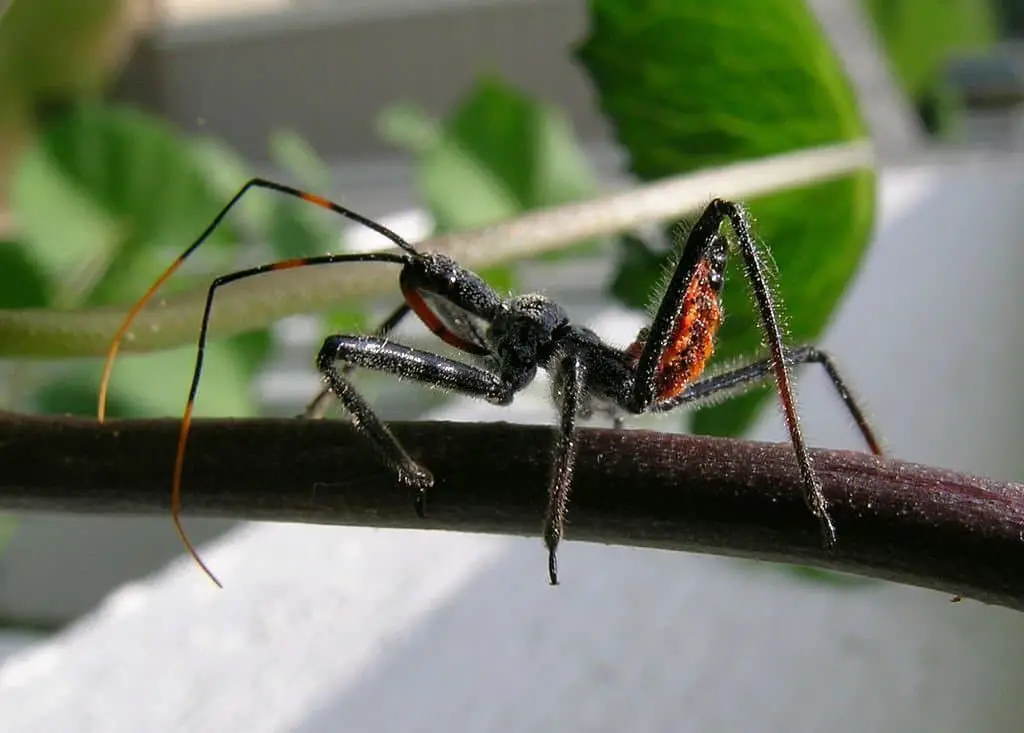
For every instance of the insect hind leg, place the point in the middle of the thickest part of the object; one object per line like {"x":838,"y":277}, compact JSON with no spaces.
{"x":737,"y":380}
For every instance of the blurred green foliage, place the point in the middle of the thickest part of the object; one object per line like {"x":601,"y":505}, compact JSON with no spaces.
{"x":105,"y":198}
{"x":127,"y":198}
{"x":497,"y":155}
{"x":685,"y":85}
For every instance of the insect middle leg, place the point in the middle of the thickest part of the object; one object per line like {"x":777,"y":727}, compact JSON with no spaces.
{"x":570,"y":379}
{"x":379,"y":354}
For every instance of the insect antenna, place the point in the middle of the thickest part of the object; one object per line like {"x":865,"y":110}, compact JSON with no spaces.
{"x":408,"y":254}
{"x":122,"y":331}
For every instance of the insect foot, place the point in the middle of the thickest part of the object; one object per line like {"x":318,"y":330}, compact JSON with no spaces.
{"x":418,"y":479}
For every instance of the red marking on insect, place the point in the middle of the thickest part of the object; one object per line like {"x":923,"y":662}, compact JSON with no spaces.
{"x":289,"y":264}
{"x":436,"y":324}
{"x":692,"y":341}
{"x":317,"y":200}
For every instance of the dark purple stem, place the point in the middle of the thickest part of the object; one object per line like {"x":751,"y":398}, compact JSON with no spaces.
{"x":899,"y":521}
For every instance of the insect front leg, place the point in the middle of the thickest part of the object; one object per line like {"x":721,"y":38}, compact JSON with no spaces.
{"x":379,"y":354}
{"x":408,"y":472}
{"x":317,"y":407}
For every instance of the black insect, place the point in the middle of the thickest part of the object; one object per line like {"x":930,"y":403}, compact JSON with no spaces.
{"x":508,"y":339}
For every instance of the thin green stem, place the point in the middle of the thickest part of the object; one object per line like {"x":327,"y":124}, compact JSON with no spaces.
{"x":260,"y":301}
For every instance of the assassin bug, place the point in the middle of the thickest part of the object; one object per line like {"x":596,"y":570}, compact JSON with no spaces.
{"x":509,"y":339}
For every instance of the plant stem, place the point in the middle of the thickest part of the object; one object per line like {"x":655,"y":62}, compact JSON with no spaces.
{"x":898,"y":521}
{"x":258,"y":302}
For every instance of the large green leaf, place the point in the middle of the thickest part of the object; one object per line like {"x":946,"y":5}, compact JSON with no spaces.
{"x":921,"y":37}
{"x":70,"y":239}
{"x":408,"y":126}
{"x":293,"y":228}
{"x":225,"y":172}
{"x":501,"y":153}
{"x":690,"y":85}
{"x":116,"y":194}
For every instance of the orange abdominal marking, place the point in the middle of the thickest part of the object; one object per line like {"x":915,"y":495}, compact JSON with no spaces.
{"x":693,"y":338}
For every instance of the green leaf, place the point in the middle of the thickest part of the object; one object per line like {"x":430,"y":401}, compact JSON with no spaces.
{"x":51,"y":52}
{"x":23,"y":284}
{"x":347,"y":320}
{"x":638,"y":267}
{"x":297,"y":228}
{"x":498,"y":155}
{"x":295,"y":155}
{"x":61,"y":47}
{"x":407,"y":126}
{"x":151,"y":385}
{"x":693,"y":85}
{"x":71,"y":239}
{"x":502,"y":154}
{"x":118,"y":195}
{"x":252,"y":349}
{"x":225,"y":172}
{"x":502,"y":278}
